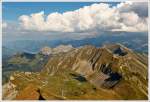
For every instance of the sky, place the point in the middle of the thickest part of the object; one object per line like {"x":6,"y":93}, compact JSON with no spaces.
{"x":12,"y":10}
{"x":74,"y":20}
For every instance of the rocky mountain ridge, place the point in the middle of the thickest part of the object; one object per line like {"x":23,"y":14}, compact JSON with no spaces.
{"x":59,"y":49}
{"x":113,"y":70}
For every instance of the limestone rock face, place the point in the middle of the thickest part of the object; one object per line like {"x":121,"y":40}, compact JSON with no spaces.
{"x":46,"y":50}
{"x":9,"y":91}
{"x":62,"y":48}
{"x":59,"y":49}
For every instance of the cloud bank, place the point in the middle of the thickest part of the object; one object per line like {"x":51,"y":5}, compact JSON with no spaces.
{"x":130,"y":17}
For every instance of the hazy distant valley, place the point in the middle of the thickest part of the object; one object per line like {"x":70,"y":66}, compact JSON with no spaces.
{"x":136,"y":41}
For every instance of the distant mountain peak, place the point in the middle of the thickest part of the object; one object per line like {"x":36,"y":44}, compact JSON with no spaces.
{"x":59,"y":49}
{"x":46,"y":50}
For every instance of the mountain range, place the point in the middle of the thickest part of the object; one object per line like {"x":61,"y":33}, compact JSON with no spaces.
{"x":112,"y":71}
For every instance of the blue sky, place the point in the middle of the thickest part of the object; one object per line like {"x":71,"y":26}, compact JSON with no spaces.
{"x":12,"y":10}
{"x":87,"y":22}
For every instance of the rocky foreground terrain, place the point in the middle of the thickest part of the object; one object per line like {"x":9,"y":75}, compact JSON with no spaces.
{"x":110,"y":72}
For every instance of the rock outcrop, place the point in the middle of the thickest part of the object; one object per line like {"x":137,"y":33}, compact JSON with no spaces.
{"x":59,"y":49}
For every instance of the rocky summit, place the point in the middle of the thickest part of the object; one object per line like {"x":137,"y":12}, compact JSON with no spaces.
{"x":110,"y":72}
{"x":59,"y":49}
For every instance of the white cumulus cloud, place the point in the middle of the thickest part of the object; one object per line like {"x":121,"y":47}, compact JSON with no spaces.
{"x":97,"y":17}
